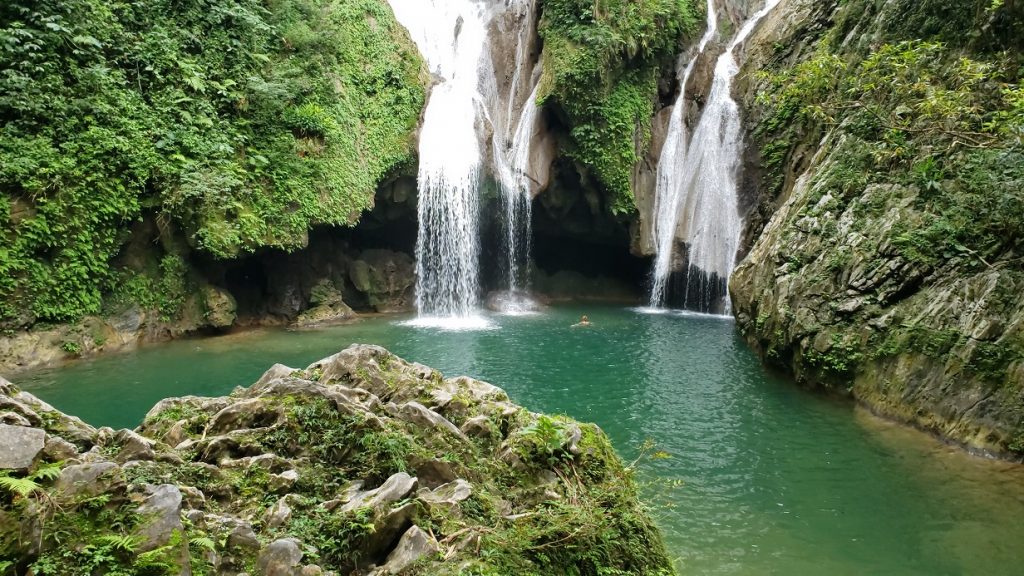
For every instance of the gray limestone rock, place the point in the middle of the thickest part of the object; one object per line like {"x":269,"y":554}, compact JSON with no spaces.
{"x":420,"y":415}
{"x":219,"y":306}
{"x":252,"y":413}
{"x":413,"y":545}
{"x":478,"y":427}
{"x":89,"y":479}
{"x":283,"y":481}
{"x":448,"y":494}
{"x":280,"y":558}
{"x":57,"y":449}
{"x":161,"y":513}
{"x":395,"y":488}
{"x":279,"y":514}
{"x":387,"y":529}
{"x":19,"y":446}
{"x":133,"y":446}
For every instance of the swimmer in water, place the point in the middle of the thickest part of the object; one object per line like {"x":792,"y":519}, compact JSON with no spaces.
{"x":584,"y":321}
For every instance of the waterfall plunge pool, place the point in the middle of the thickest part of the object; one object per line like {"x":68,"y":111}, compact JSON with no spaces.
{"x":763,"y":478}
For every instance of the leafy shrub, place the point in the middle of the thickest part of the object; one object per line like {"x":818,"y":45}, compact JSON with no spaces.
{"x":601,"y":62}
{"x":196,"y":111}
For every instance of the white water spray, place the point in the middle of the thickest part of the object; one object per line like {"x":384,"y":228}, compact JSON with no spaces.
{"x":700,"y":191}
{"x":514,"y":129}
{"x":668,"y":186}
{"x":453,"y":37}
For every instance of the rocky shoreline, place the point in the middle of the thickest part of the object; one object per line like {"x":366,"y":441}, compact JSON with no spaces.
{"x":361,"y":463}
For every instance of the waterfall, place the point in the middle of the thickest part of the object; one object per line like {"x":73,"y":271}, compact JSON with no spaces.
{"x":668,"y":184}
{"x":698,"y":188}
{"x":514,"y":131}
{"x":464,"y":110}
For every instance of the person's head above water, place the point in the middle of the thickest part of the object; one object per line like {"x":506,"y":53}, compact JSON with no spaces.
{"x":584,"y":318}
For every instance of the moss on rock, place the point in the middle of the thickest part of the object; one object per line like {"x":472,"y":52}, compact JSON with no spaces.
{"x":330,"y":466}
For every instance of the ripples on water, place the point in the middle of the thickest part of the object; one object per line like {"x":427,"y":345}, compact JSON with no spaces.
{"x":771,"y":479}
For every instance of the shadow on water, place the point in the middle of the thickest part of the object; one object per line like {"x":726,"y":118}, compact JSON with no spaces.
{"x":763,"y":477}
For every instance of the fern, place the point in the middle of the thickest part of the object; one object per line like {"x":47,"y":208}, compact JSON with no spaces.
{"x":155,"y":559}
{"x":203,"y":542}
{"x":23,"y":487}
{"x":48,"y":472}
{"x":123,"y":543}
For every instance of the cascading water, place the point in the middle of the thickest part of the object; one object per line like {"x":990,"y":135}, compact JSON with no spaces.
{"x":699,"y":193}
{"x":514,"y":129}
{"x":668,"y":186}
{"x":453,"y":37}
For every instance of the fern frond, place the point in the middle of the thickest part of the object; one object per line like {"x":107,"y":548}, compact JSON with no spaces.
{"x":204,"y":542}
{"x":21,"y":486}
{"x":124,"y":543}
{"x":47,"y":472}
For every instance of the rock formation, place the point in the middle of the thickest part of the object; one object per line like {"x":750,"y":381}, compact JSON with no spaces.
{"x":361,"y":463}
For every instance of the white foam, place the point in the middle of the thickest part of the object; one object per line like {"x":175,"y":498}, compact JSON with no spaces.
{"x":452,"y":323}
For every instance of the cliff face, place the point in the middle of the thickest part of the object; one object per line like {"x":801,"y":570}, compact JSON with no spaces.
{"x":361,"y":463}
{"x":885,"y":238}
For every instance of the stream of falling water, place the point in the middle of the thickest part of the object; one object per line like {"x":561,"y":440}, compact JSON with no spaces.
{"x":514,"y":129}
{"x":465,"y":106}
{"x":698,"y":189}
{"x":667,"y":196}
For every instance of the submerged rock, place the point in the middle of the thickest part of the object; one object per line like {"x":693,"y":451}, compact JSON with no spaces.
{"x":357,"y":464}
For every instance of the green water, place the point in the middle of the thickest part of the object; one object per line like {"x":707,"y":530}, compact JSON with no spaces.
{"x":764,"y":478}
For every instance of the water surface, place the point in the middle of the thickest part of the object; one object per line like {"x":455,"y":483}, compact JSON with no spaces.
{"x":764,"y":478}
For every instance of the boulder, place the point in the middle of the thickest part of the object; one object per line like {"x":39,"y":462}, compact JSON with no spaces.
{"x":14,"y":419}
{"x":283,"y":481}
{"x":448,"y":494}
{"x":327,"y":307}
{"x":161,"y":513}
{"x":420,"y":415}
{"x":252,"y":413}
{"x":280,"y":513}
{"x":89,"y":479}
{"x":478,"y":427}
{"x":133,"y":446}
{"x":275,"y":373}
{"x":19,"y":446}
{"x":386,"y":278}
{"x":413,"y":545}
{"x":280,"y":558}
{"x":219,"y":306}
{"x":434,"y":472}
{"x":395,"y":488}
{"x":387,"y":529}
{"x":58,"y":449}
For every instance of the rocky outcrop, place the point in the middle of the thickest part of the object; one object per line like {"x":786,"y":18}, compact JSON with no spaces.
{"x":361,"y":463}
{"x":873,"y":267}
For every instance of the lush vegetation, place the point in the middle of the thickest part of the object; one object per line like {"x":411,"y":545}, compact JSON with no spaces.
{"x":905,"y":236}
{"x":602,"y":61}
{"x":919,"y":115}
{"x":539,"y":494}
{"x":239,"y":123}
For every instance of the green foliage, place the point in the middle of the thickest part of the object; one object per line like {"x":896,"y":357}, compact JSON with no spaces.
{"x":545,"y":438}
{"x":71,"y":347}
{"x":838,"y":361}
{"x":917,"y":114}
{"x":165,"y":289}
{"x":335,"y":537}
{"x":31,"y":484}
{"x":343,"y":439}
{"x":573,"y":532}
{"x":245,"y":122}
{"x":602,"y":60}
